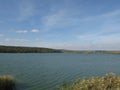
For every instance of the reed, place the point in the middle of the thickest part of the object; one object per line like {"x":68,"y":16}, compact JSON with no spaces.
{"x":107,"y":82}
{"x":7,"y":82}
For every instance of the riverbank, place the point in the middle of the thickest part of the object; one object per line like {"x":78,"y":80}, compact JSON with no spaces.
{"x":107,"y":82}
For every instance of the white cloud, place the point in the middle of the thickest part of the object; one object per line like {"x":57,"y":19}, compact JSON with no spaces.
{"x":84,"y":46}
{"x":27,"y":31}
{"x":112,"y":14}
{"x":112,"y":38}
{"x":22,"y":31}
{"x":16,"y":40}
{"x":100,"y":41}
{"x":54,"y":20}
{"x":1,"y":43}
{"x":100,"y":37}
{"x":63,"y":19}
{"x":109,"y":15}
{"x":104,"y":24}
{"x":26,"y":10}
{"x":35,"y":30}
{"x":1,"y":21}
{"x":1,"y":35}
{"x":86,"y":36}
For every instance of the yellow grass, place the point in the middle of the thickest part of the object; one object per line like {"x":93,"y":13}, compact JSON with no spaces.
{"x":107,"y":82}
{"x":7,"y":83}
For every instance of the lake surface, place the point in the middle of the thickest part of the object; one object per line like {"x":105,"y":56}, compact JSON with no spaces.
{"x":49,"y":70}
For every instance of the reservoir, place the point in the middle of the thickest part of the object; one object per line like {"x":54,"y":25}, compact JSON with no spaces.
{"x":47,"y":71}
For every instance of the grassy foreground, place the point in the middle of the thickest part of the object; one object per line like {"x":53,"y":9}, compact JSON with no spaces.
{"x":107,"y":82}
{"x":7,"y":83}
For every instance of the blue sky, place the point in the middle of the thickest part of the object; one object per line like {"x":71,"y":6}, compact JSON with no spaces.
{"x":61,"y":24}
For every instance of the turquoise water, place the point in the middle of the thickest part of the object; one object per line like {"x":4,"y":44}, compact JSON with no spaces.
{"x":49,"y":70}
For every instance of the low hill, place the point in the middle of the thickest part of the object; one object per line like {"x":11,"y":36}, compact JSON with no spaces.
{"x":20,"y":49}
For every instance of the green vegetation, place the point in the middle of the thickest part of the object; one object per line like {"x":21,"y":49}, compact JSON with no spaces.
{"x":7,"y":83}
{"x":107,"y":82}
{"x":16,"y":49}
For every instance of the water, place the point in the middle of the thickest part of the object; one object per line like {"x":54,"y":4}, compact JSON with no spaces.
{"x":48,"y":71}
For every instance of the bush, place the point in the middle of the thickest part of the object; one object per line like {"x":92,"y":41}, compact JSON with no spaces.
{"x":7,"y":83}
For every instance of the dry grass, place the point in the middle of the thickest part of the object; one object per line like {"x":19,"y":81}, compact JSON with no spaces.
{"x":7,"y":83}
{"x":107,"y":82}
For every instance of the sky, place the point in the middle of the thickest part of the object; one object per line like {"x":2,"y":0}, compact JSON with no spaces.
{"x":61,"y":24}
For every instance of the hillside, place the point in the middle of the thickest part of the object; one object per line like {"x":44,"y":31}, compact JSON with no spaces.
{"x":20,"y":49}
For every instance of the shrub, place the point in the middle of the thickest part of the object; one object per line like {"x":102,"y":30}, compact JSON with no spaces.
{"x":7,"y":83}
{"x":107,"y":82}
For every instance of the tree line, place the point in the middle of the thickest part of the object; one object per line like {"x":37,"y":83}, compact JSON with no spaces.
{"x":18,"y":49}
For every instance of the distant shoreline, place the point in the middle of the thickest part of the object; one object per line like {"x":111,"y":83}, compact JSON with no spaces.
{"x":22,"y":49}
{"x":92,"y":52}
